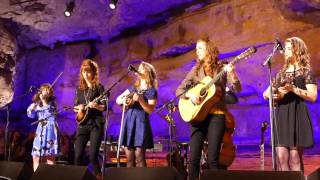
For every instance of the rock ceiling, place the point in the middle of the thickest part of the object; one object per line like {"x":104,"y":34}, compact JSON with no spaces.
{"x":42,"y":22}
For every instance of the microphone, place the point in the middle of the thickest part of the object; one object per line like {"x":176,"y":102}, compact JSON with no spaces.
{"x":32,"y":88}
{"x":133,"y":69}
{"x":278,"y":46}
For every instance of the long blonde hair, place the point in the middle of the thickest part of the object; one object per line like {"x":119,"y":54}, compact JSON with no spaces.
{"x":151,"y":76}
{"x":89,"y":66}
{"x":300,"y":53}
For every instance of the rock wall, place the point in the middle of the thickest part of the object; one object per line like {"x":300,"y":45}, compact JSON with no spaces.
{"x":233,"y":25}
{"x":8,"y":50}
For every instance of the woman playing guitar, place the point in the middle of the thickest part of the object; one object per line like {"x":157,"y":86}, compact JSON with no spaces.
{"x":90,"y":128}
{"x":213,"y":125}
{"x":141,"y":100}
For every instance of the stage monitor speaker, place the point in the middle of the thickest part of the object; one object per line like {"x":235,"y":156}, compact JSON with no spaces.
{"x":15,"y":170}
{"x":315,"y":175}
{"x":158,"y":173}
{"x":62,"y":172}
{"x":251,"y":175}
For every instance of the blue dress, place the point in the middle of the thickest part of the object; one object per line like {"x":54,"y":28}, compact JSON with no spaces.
{"x":49,"y":131}
{"x":137,"y":129}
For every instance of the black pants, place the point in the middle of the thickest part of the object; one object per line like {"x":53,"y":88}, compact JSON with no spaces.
{"x":94,"y":134}
{"x":212,"y":128}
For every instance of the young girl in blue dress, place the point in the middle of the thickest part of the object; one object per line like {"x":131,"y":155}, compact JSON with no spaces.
{"x":45,"y":144}
{"x":140,"y":100}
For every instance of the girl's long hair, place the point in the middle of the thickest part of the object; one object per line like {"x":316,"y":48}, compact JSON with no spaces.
{"x":150,"y":76}
{"x":89,"y":66}
{"x":300,"y":53}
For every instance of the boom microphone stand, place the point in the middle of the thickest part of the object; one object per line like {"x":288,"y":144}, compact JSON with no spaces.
{"x":7,"y":107}
{"x":107,"y":120}
{"x":168,"y":117}
{"x":268,"y":62}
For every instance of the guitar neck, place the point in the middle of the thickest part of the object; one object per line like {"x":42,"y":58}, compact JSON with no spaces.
{"x":246,"y":53}
{"x":220,"y":74}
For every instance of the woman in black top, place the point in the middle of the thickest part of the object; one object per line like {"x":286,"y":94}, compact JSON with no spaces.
{"x":213,"y":126}
{"x":92,"y":127}
{"x":293,"y":85}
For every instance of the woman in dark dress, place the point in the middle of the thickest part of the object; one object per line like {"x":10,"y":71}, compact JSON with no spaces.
{"x":92,"y":127}
{"x":293,"y":85}
{"x":140,"y":100}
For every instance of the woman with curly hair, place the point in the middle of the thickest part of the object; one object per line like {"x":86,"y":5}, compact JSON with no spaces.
{"x":45,"y":144}
{"x":293,"y":85}
{"x":212,"y":127}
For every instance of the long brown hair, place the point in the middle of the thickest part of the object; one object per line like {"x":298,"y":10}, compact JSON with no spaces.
{"x":300,"y":53}
{"x":150,"y":77}
{"x":212,"y":55}
{"x":50,"y":98}
{"x":89,"y":66}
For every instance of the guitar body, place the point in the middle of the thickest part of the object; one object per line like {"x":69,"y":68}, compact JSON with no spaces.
{"x":193,"y":113}
{"x":82,"y":115}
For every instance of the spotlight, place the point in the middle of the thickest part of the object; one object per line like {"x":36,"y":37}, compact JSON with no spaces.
{"x":69,"y":8}
{"x":113,"y":4}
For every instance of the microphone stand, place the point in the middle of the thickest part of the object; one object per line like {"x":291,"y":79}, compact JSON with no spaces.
{"x":268,"y":62}
{"x":107,"y":122}
{"x":169,"y":105}
{"x":7,"y":153}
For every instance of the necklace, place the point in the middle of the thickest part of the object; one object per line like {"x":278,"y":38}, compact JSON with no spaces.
{"x":87,"y":96}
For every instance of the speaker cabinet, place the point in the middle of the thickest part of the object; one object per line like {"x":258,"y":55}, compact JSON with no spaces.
{"x":251,"y":175}
{"x":15,"y":170}
{"x":62,"y":172}
{"x":315,"y":175}
{"x":158,"y":173}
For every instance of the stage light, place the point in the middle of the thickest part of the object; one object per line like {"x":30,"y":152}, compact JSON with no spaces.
{"x":113,"y":4}
{"x":69,"y":8}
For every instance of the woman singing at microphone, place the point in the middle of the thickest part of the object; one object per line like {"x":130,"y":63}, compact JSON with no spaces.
{"x":141,"y":99}
{"x":45,"y":144}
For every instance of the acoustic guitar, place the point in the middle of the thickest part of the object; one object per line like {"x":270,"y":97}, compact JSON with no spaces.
{"x":206,"y":90}
{"x":83,"y":115}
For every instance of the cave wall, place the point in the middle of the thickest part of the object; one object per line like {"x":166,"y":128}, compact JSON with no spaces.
{"x":233,"y":25}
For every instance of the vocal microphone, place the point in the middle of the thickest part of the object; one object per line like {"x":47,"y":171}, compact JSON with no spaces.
{"x":133,"y":69}
{"x":279,"y":46}
{"x":32,"y":88}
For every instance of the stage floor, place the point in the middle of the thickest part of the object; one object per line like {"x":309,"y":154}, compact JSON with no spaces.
{"x":248,"y":158}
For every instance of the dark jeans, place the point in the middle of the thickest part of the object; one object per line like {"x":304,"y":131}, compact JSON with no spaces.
{"x":212,"y":128}
{"x":94,"y":134}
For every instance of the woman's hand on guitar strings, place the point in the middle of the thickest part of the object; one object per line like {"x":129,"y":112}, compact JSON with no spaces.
{"x":194,"y":98}
{"x":136,"y":97}
{"x":93,"y":105}
{"x":286,"y":88}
